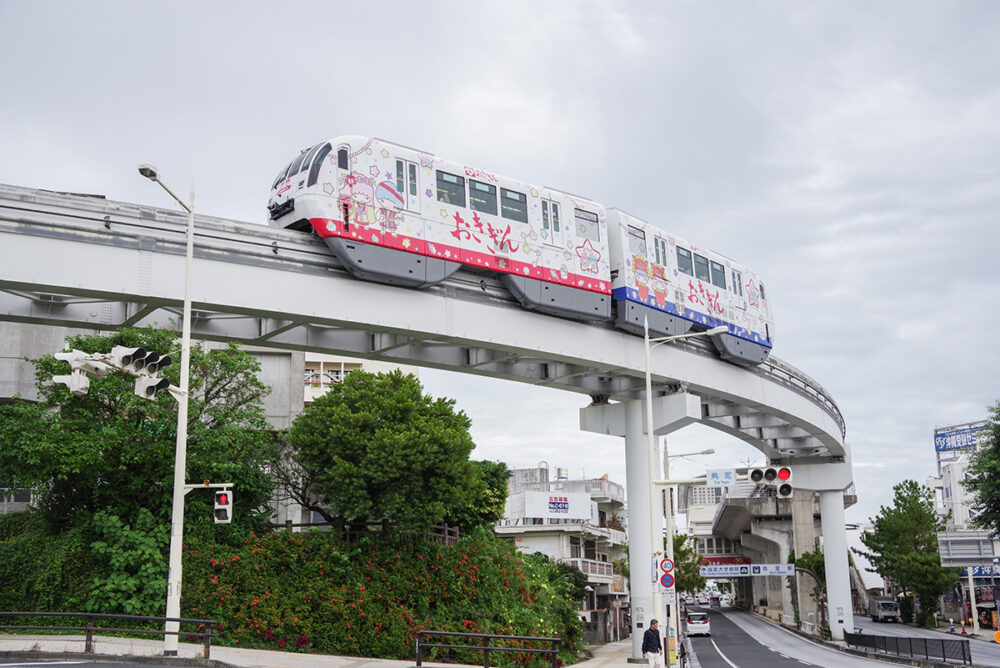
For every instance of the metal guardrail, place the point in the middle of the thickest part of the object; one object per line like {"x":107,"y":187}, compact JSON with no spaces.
{"x":946,"y":649}
{"x":553,"y":652}
{"x":90,"y":629}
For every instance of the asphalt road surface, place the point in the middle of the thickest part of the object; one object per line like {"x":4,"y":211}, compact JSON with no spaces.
{"x":742,"y":640}
{"x":56,"y":663}
{"x":983,"y":653}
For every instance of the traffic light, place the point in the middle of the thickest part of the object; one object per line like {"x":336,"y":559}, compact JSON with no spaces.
{"x":147,"y":386}
{"x":223,"y":507}
{"x":84,"y":368}
{"x":779,"y":477}
{"x":784,"y":482}
{"x":77,"y":382}
{"x":139,"y":360}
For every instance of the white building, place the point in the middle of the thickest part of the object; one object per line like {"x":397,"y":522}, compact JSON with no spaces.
{"x":576,"y":522}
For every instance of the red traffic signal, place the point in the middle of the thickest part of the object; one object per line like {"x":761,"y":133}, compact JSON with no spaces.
{"x":223,"y":507}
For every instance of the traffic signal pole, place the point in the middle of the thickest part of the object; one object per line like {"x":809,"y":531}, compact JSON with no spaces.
{"x":174,"y":577}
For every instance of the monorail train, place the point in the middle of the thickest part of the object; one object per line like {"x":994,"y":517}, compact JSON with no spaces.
{"x":397,"y":215}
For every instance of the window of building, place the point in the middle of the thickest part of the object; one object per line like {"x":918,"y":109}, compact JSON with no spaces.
{"x":636,"y":241}
{"x":482,"y":197}
{"x":718,"y":275}
{"x":513,"y":205}
{"x":586,"y":225}
{"x":684,"y":261}
{"x":575,"y":549}
{"x":451,"y":189}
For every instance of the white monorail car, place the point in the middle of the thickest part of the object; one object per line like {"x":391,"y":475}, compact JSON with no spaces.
{"x":400,"y":216}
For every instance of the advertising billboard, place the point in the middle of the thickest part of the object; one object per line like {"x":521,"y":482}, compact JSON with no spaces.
{"x":557,"y":505}
{"x":951,"y":438}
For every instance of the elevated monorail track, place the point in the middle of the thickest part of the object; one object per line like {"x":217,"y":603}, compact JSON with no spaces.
{"x":85,"y":261}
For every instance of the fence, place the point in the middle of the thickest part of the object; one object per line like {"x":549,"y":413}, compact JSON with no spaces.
{"x":946,"y":649}
{"x":553,"y":652}
{"x":90,"y":629}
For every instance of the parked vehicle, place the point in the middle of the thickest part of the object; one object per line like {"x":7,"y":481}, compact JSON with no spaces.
{"x":883,"y":610}
{"x":698,"y":624}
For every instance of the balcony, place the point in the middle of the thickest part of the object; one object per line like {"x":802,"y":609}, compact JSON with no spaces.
{"x":596,"y":571}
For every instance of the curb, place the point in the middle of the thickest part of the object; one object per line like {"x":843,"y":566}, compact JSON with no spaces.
{"x":118,"y":658}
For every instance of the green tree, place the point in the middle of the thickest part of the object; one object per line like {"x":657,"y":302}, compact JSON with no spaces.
{"x":486,"y":507}
{"x":983,"y":479}
{"x":111,"y":451}
{"x":376,"y":448}
{"x":687,"y":565}
{"x":902,"y":546}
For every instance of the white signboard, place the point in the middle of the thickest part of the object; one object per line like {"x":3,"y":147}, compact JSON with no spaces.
{"x":720,"y":477}
{"x":746,"y":570}
{"x":557,"y":505}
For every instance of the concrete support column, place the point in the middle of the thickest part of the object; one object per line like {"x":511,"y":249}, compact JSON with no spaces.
{"x":838,"y":581}
{"x":640,"y":506}
{"x":804,"y":526}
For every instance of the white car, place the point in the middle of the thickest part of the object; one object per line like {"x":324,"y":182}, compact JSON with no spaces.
{"x":698,"y":624}
{"x":702,"y":599}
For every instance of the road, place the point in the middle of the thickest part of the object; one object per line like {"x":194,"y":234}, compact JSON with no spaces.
{"x":743,"y":640}
{"x":983,"y":653}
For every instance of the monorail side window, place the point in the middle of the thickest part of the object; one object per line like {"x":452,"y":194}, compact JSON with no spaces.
{"x":718,"y":275}
{"x":586,"y":225}
{"x":546,"y":220}
{"x":636,"y":241}
{"x":737,"y":283}
{"x":762,"y":297}
{"x":482,"y":197}
{"x":451,"y":189}
{"x":701,"y":268}
{"x":514,"y":205}
{"x":342,"y":158}
{"x":661,"y":250}
{"x":684,"y":261}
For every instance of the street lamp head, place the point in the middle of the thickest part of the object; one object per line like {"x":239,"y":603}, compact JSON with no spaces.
{"x":149,"y":171}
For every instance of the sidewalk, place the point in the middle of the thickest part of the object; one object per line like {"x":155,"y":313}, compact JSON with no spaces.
{"x":611,"y":655}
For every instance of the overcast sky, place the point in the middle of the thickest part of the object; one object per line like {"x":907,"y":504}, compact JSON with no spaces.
{"x":849,"y":152}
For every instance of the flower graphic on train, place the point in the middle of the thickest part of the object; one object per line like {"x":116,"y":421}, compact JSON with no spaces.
{"x":589,"y":257}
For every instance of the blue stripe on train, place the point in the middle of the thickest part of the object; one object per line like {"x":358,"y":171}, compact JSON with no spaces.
{"x":632,"y":295}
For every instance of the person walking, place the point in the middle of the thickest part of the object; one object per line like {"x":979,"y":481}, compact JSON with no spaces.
{"x":652,"y":648}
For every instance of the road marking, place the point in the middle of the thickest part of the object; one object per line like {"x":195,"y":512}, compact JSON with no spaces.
{"x":46,"y":663}
{"x":724,"y":657}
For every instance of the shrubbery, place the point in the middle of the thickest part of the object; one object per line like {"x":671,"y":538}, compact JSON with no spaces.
{"x":311,"y":591}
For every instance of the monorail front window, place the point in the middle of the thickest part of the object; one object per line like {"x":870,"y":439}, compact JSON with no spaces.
{"x":451,"y":189}
{"x":684,"y":261}
{"x":701,"y":268}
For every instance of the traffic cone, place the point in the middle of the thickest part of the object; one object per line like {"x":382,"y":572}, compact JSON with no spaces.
{"x":963,"y":628}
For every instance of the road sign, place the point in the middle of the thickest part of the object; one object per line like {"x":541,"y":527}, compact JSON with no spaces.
{"x":746,"y":570}
{"x":666,"y":565}
{"x":720,"y":478}
{"x":667,"y":580}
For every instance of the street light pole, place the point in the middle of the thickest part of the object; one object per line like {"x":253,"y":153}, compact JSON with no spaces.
{"x":174,"y":576}
{"x":657,"y":534}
